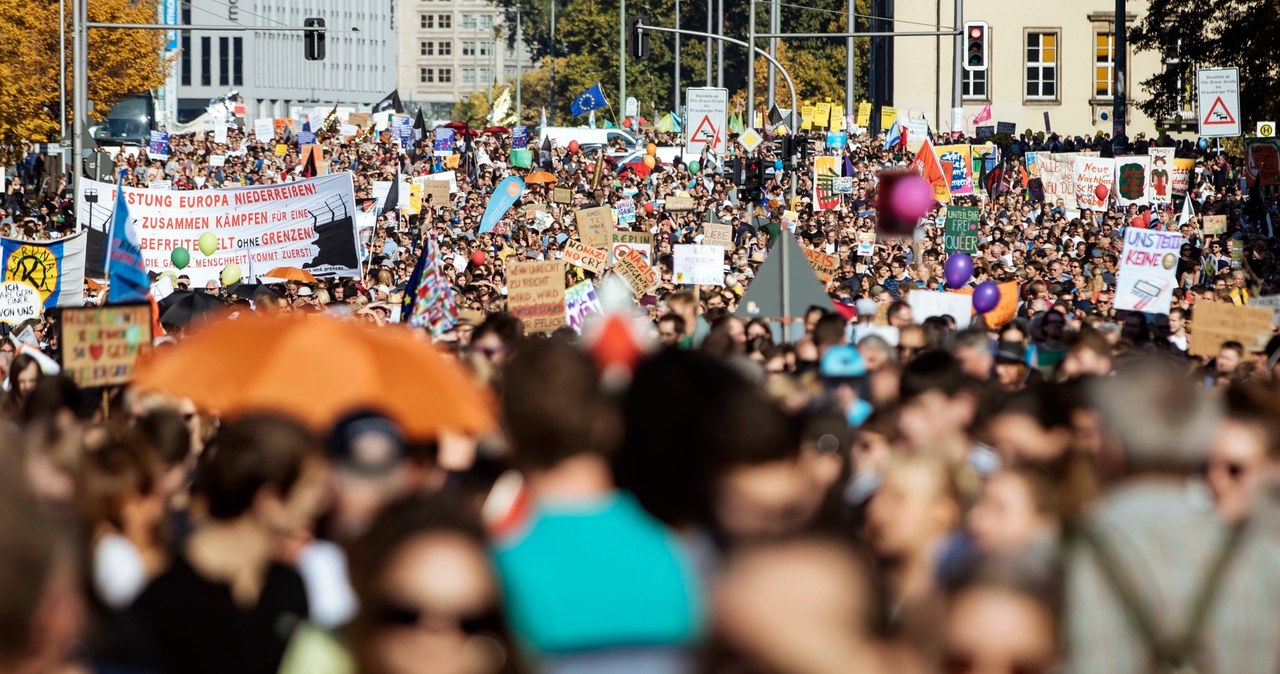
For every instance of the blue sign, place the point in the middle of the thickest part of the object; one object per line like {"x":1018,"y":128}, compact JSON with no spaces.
{"x":520,"y":138}
{"x":159,"y":145}
{"x":171,"y":19}
{"x":443,"y":146}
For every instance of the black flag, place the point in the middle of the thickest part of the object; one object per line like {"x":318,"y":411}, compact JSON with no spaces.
{"x":775,"y":116}
{"x":390,"y":102}
{"x":547,"y":162}
{"x":392,"y":201}
{"x":419,"y":127}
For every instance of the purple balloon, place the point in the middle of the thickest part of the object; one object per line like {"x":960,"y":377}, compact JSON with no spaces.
{"x":986,"y":297}
{"x":959,"y":270}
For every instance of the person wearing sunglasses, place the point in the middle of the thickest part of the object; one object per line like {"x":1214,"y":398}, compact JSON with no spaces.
{"x":428,"y":595}
{"x":1239,"y":466}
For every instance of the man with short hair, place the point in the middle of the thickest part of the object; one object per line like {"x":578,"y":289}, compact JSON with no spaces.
{"x":1230,"y":356}
{"x":670,"y":330}
{"x":1088,"y":354}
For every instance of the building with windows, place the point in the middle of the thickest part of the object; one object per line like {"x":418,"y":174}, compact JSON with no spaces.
{"x":268,"y":68}
{"x":450,"y":49}
{"x":1046,"y":63}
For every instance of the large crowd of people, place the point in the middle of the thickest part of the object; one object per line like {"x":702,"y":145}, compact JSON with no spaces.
{"x":865,"y":490}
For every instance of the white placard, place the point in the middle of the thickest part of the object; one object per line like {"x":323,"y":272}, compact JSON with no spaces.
{"x":1148,"y":268}
{"x":699,"y":265}
{"x":930,"y":303}
{"x":19,"y":302}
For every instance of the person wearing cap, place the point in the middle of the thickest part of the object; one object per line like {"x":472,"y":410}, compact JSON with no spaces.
{"x":844,"y":377}
{"x":1011,"y":369}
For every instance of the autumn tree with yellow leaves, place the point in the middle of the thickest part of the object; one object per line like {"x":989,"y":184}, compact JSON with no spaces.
{"x":121,"y":63}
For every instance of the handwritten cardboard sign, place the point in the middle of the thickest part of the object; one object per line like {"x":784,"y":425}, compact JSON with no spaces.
{"x":535,"y":294}
{"x":19,"y":302}
{"x":718,"y":235}
{"x":595,"y":225}
{"x":101,"y":345}
{"x":562,"y":195}
{"x":439,"y":192}
{"x":1213,"y":323}
{"x":678,"y":204}
{"x":825,"y":264}
{"x":1215,"y":224}
{"x":591,"y":259}
{"x":635,"y":270}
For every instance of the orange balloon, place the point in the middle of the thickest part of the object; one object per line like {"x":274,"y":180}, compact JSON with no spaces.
{"x":652,"y":150}
{"x":649,"y":161}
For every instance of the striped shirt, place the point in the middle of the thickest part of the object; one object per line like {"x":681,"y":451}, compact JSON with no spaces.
{"x":1166,"y":544}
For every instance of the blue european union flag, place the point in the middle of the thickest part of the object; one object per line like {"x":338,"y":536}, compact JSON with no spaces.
{"x":591,"y":99}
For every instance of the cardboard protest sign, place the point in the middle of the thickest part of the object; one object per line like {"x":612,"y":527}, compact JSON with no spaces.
{"x":1094,"y":179}
{"x":1271,"y":303}
{"x":1004,"y":312}
{"x":562,"y":195}
{"x":101,"y":345}
{"x":1148,"y":265}
{"x":19,"y":302}
{"x":620,"y":243}
{"x":595,"y":225}
{"x":1213,"y":323}
{"x":1215,"y":224}
{"x":929,"y":303}
{"x":591,"y":259}
{"x":961,"y":231}
{"x":535,"y":294}
{"x":1131,"y":180}
{"x":1058,"y":177}
{"x":717,"y":235}
{"x":580,"y":301}
{"x":824,"y":264}
{"x":678,"y":204}
{"x":698,"y":265}
{"x":309,"y":224}
{"x":437,"y":190}
{"x":636,"y":271}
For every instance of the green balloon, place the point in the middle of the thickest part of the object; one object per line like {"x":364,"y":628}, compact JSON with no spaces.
{"x":180,"y":257}
{"x":694,"y":166}
{"x":208,"y":243}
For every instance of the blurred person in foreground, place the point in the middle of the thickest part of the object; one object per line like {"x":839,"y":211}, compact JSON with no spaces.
{"x":228,"y":603}
{"x":429,"y":595}
{"x":801,"y":606}
{"x":1155,"y":578}
{"x":593,"y":582}
{"x":41,"y":609}
{"x":1001,"y":619}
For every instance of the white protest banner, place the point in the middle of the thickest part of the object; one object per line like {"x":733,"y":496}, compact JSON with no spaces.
{"x":1160,"y":175}
{"x":1131,"y":180}
{"x":264,"y":129}
{"x":1148,"y":264}
{"x":580,"y":301}
{"x":1094,"y":179}
{"x":160,"y":185}
{"x":19,"y":302}
{"x":587,"y":257}
{"x":1058,"y":176}
{"x":308,"y":224}
{"x":930,"y":303}
{"x":699,"y":265}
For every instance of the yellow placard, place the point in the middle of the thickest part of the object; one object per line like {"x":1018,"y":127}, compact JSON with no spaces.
{"x":888,"y":115}
{"x":864,"y":114}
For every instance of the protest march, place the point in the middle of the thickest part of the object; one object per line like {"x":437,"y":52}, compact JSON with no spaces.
{"x":378,"y":396}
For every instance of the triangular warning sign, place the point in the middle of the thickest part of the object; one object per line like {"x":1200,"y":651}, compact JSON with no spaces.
{"x":697,"y":136}
{"x":1218,"y":113}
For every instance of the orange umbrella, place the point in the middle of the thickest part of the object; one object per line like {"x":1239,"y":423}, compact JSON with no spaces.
{"x":317,"y":369}
{"x":539,"y":177}
{"x":291,"y":274}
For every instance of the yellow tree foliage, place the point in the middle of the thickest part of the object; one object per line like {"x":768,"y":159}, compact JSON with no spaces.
{"x":121,"y":62}
{"x":815,"y":77}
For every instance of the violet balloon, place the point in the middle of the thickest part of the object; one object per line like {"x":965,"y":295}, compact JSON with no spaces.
{"x":912,"y":198}
{"x":959,"y":270}
{"x":986,"y":297}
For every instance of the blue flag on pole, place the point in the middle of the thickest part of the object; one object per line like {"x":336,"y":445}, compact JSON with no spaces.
{"x":591,"y":99}
{"x":126,"y":271}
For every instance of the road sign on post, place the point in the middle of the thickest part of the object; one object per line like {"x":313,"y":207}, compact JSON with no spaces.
{"x":1219,"y":97}
{"x":707,"y":120}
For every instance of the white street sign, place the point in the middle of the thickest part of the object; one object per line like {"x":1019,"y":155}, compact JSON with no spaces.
{"x":1219,"y":95}
{"x":707,"y":120}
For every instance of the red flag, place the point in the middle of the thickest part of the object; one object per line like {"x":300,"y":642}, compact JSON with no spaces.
{"x":984,"y":115}
{"x":927,"y":165}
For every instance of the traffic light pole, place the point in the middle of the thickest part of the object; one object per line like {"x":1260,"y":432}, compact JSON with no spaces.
{"x":784,"y":286}
{"x":80,"y":67}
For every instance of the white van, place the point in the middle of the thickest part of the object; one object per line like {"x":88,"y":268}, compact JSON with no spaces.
{"x":586,"y":136}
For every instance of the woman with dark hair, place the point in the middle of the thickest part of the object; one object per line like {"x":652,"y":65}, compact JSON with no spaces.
{"x":24,"y":372}
{"x":429,"y":598}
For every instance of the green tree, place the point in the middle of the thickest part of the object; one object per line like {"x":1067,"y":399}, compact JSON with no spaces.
{"x":1188,"y":35}
{"x":587,"y":44}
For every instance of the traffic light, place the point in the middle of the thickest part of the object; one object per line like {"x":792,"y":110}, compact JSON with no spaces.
{"x":975,"y":45}
{"x":786,"y":149}
{"x":313,"y":40}
{"x":637,"y":40}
